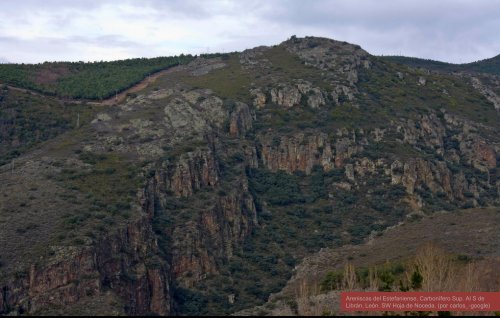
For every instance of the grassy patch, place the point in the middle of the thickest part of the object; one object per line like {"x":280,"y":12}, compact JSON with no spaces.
{"x":102,"y":196}
{"x":290,"y":66}
{"x":231,"y":81}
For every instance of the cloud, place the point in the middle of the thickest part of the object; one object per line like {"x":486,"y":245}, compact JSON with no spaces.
{"x":34,"y":31}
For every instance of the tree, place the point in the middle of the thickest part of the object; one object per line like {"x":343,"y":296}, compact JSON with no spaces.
{"x":416,"y":280}
{"x":435,"y":268}
{"x":349,"y":281}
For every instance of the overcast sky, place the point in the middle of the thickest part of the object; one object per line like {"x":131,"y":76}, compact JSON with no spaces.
{"x":48,"y":30}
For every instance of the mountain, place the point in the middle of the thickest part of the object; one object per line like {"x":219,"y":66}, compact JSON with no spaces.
{"x":205,"y":187}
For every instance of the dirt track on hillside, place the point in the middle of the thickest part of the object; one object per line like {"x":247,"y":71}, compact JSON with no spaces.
{"x":112,"y":100}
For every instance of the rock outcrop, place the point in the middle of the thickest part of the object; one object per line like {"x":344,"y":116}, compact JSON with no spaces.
{"x":435,"y":176}
{"x":300,"y":93}
{"x":192,"y":171}
{"x":209,"y":236}
{"x":328,"y":54}
{"x":259,"y":98}
{"x":241,"y":120}
{"x":201,"y":244}
{"x":123,"y":262}
{"x":194,"y":114}
{"x":286,"y":96}
{"x":486,"y":92}
{"x":253,"y":58}
{"x":201,"y":66}
{"x":297,"y":153}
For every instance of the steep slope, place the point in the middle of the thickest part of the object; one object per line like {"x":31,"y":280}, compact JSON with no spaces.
{"x":201,"y":193}
{"x":28,"y":120}
{"x":470,"y":237}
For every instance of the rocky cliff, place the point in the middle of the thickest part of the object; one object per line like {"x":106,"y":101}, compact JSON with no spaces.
{"x":123,"y":263}
{"x":209,"y":236}
{"x":446,"y":140}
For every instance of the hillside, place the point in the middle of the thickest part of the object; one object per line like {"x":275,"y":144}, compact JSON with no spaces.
{"x":79,"y":80}
{"x":464,"y":239}
{"x":201,"y":192}
{"x":488,"y":66}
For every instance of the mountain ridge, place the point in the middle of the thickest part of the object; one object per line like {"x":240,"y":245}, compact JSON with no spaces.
{"x":488,"y":65}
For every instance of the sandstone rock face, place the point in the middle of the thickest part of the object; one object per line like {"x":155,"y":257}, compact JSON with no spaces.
{"x":286,"y":96}
{"x":191,"y":172}
{"x":302,"y":152}
{"x":200,"y":245}
{"x":87,"y":272}
{"x":344,"y":149}
{"x":447,"y":136}
{"x":428,"y":130}
{"x":484,"y":154}
{"x":339,"y":60}
{"x":487,"y":92}
{"x":183,"y":118}
{"x":259,"y":98}
{"x":436,"y":177}
{"x":315,"y":97}
{"x":241,"y":120}
{"x":252,"y":58}
{"x":349,"y":172}
{"x":366,"y":167}
{"x":297,"y":153}
{"x":329,"y":54}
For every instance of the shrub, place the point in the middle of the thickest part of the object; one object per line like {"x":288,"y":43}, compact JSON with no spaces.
{"x":277,"y":188}
{"x":332,"y":281}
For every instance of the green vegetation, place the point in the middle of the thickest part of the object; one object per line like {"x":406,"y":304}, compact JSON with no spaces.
{"x":491,"y":65}
{"x":278,"y":188}
{"x":392,"y":150}
{"x":109,"y":188}
{"x":96,"y":80}
{"x":385,"y":95}
{"x":27,"y":120}
{"x":296,"y":217}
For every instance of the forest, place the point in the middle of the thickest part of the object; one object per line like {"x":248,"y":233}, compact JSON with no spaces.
{"x":85,"y":80}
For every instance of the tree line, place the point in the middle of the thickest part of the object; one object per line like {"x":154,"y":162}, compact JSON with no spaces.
{"x":86,"y":80}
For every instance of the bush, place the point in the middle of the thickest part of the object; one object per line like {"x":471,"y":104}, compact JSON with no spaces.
{"x":277,"y":188}
{"x":396,"y":192}
{"x":317,"y":184}
{"x":332,"y":281}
